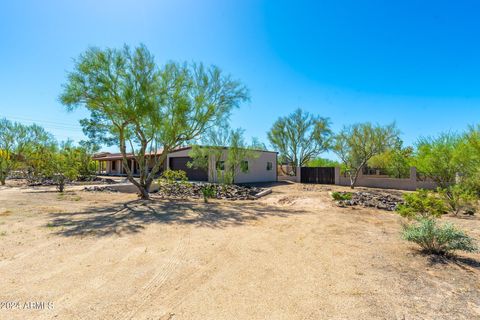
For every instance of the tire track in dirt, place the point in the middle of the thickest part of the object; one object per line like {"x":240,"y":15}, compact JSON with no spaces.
{"x":26,"y":253}
{"x":144,"y":294}
{"x":84,"y":257}
{"x":45,"y":277}
{"x":75,"y":299}
{"x":229,"y":250}
{"x":194,"y":279}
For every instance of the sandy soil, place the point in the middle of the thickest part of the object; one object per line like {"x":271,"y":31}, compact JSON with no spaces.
{"x":290,"y":255}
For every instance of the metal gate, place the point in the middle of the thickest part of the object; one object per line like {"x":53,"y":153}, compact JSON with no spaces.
{"x":322,"y":175}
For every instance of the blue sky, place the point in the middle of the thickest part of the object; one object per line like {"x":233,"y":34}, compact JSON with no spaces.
{"x":413,"y":62}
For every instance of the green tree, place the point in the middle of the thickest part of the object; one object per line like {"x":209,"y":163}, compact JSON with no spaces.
{"x":137,"y":105}
{"x":36,"y":153}
{"x":472,"y":180}
{"x":62,"y":164}
{"x":443,"y":159}
{"x":458,"y":197}
{"x":355,"y":145}
{"x":473,"y":138}
{"x":300,"y":137}
{"x":225,"y":153}
{"x":209,"y":152}
{"x":238,"y":155}
{"x":323,"y":162}
{"x":450,"y":160}
{"x":87,"y":167}
{"x":396,"y":161}
{"x":13,"y":139}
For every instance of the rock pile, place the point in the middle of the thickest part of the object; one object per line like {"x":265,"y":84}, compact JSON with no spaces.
{"x":42,"y":182}
{"x":382,"y":201}
{"x":194,"y":190}
{"x":102,"y":180}
{"x":50,"y":182}
{"x":99,"y":189}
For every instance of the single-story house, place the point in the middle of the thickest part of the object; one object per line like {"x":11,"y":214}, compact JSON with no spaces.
{"x":262,"y":168}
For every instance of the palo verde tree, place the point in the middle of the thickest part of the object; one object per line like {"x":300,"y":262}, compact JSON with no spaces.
{"x":37,"y":151}
{"x":300,"y":137}
{"x":147,"y":109}
{"x":87,"y":166}
{"x":355,"y":145}
{"x":224,"y":153}
{"x":472,"y":181}
{"x":395,"y":161}
{"x":444,"y":158}
{"x":323,"y":162}
{"x":62,"y":164}
{"x":238,"y":155}
{"x":451,"y":160}
{"x":17,"y":143}
{"x":210,"y":150}
{"x":13,"y":139}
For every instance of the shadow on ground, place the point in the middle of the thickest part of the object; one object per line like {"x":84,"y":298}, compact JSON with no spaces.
{"x":460,"y":261}
{"x":133,"y":216}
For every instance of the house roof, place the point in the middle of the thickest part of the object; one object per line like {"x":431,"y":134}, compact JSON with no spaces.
{"x":118,"y":156}
{"x":189,"y":147}
{"x":103,"y":156}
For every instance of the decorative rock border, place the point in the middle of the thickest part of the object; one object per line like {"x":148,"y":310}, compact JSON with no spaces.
{"x":382,"y":201}
{"x":195,"y":190}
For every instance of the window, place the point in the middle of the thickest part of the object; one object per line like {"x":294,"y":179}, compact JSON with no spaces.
{"x":244,"y":166}
{"x":220,"y":165}
{"x":269,"y":166}
{"x":114,"y":165}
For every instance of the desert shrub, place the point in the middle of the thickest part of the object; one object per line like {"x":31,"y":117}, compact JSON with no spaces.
{"x":208,"y":191}
{"x":472,"y":183}
{"x":341,"y":196}
{"x":170,"y":176}
{"x":458,"y":197}
{"x":422,"y":204}
{"x":438,"y":239}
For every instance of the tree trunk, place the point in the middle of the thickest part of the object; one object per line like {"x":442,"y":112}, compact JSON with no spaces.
{"x":144,"y":193}
{"x":2,"y":180}
{"x":143,"y":190}
{"x":353,"y":179}
{"x":352,"y":182}
{"x":61,"y":186}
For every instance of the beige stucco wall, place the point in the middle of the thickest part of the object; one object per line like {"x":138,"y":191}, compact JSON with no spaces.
{"x":257,"y":167}
{"x":181,"y":153}
{"x":410,"y":183}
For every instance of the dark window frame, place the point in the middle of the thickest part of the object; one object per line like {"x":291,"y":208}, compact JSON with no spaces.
{"x":269,"y":166}
{"x":220,"y":165}
{"x":244,"y":167}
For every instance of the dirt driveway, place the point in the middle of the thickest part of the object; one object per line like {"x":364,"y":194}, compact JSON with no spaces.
{"x":290,"y":255}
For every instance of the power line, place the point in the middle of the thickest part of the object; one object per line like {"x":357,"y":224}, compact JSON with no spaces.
{"x":47,"y":123}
